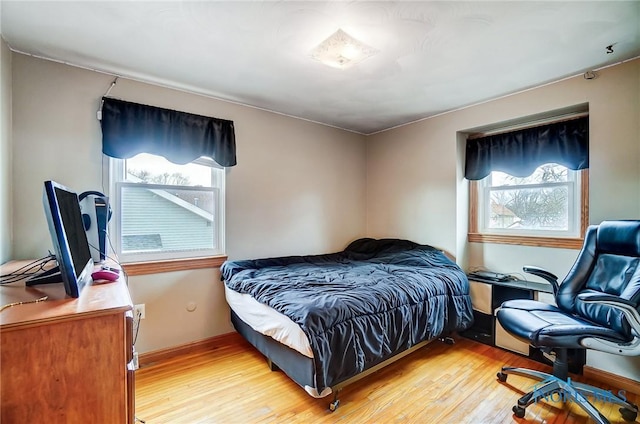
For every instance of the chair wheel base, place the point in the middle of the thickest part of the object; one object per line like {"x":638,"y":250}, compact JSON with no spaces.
{"x":502,"y":376}
{"x":518,"y":411}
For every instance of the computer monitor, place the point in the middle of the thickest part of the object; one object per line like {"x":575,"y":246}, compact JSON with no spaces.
{"x":64,"y":219}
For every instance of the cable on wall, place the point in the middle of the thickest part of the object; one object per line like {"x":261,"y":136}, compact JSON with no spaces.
{"x":113,"y":84}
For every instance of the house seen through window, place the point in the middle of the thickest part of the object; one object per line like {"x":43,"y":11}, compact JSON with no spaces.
{"x":167,"y":211}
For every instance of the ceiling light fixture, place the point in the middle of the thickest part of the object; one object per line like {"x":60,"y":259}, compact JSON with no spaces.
{"x":341,"y":51}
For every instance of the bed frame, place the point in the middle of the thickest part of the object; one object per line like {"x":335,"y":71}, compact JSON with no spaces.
{"x":300,"y":368}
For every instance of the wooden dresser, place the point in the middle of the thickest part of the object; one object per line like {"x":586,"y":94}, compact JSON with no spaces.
{"x":66,"y":360}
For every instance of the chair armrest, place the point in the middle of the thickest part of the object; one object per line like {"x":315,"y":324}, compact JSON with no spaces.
{"x":544,"y":274}
{"x":630,"y":348}
{"x":625,"y":306}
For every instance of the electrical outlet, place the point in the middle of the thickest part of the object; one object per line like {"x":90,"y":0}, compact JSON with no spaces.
{"x":138,"y":311}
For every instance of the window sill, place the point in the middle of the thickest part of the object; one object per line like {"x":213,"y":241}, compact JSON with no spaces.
{"x":555,"y":242}
{"x":158,"y":267}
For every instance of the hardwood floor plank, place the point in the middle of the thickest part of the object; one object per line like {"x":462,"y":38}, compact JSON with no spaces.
{"x":438,"y":383}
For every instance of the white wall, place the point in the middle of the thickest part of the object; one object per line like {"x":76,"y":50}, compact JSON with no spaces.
{"x":6,"y":194}
{"x":415,"y":185}
{"x":298,"y":186}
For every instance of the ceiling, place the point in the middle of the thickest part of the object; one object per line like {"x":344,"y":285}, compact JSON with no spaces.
{"x":433,"y":56}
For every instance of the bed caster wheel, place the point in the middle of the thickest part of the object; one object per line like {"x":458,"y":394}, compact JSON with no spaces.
{"x":518,"y":411}
{"x":502,"y":376}
{"x":628,"y":414}
{"x":334,"y":405}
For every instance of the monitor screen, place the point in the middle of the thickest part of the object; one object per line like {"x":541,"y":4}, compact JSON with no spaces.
{"x":62,"y":210}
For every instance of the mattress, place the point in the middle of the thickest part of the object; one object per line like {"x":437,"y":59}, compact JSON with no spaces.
{"x":266,"y":320}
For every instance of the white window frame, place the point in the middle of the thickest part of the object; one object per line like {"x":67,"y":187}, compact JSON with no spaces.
{"x":117,"y":182}
{"x":574,"y":210}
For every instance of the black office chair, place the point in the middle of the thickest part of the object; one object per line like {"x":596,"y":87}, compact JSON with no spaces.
{"x":598,"y":304}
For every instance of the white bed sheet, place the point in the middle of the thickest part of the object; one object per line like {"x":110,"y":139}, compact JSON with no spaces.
{"x":268,"y":321}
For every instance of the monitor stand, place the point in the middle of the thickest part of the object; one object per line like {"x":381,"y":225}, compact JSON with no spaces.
{"x":50,"y":276}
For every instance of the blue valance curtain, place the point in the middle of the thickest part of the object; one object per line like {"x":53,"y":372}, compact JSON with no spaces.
{"x":520,"y":152}
{"x":131,"y":128}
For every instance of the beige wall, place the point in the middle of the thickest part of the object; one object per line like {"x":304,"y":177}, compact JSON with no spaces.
{"x":6,"y":194}
{"x":415,"y":185}
{"x":298,"y":186}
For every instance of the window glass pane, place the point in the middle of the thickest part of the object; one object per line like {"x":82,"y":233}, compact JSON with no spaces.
{"x":157,"y":170}
{"x":541,"y":208}
{"x":548,"y":173}
{"x":162,"y":219}
{"x":542,"y":202}
{"x":167,"y":211}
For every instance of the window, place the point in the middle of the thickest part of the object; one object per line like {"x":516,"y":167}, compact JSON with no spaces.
{"x":547,"y":208}
{"x":167,"y":211}
{"x":529,"y":182}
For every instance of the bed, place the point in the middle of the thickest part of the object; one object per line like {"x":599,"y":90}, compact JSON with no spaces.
{"x":327,"y":320}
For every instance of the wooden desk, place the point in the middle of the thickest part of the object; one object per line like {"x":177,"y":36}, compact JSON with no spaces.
{"x":66,"y":360}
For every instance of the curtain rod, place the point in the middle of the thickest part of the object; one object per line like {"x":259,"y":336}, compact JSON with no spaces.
{"x":531,"y":124}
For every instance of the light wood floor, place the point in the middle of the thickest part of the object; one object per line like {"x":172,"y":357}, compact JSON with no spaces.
{"x":439,"y":383}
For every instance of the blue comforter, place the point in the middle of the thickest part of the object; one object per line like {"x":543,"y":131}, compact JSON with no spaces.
{"x":360,"y":306}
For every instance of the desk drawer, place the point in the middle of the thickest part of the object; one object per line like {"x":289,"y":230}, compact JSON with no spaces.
{"x":507,"y":341}
{"x":481,"y":297}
